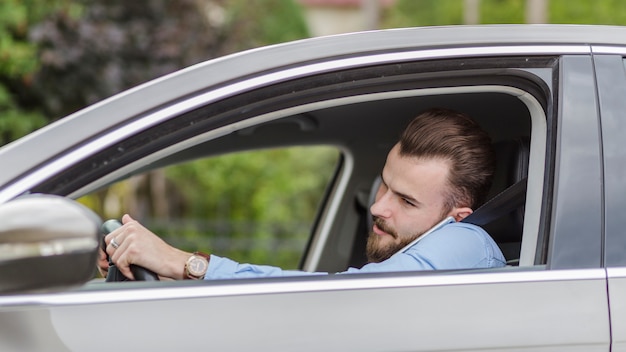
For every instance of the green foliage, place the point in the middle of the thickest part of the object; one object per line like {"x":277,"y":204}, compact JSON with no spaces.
{"x":502,"y":11}
{"x":254,"y":206}
{"x":14,"y":122}
{"x":18,"y":62}
{"x":17,"y":56}
{"x":114,"y":45}
{"x":609,"y":12}
{"x":117,"y":44}
{"x":254,"y":184}
{"x":411,"y":13}
{"x":268,"y":198}
{"x":253,"y":23}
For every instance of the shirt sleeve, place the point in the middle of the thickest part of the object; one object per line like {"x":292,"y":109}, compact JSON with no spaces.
{"x":454,"y":246}
{"x":224,"y":268}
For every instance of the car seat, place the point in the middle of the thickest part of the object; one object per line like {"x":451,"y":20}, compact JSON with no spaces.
{"x":502,"y":215}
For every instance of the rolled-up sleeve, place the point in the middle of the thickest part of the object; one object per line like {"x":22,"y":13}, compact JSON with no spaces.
{"x":224,"y":268}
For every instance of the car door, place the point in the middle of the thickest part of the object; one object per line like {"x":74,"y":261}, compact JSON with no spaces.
{"x":555,"y":299}
{"x":610,"y":67}
{"x":555,"y":304}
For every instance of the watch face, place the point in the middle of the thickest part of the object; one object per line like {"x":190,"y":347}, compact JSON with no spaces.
{"x":197,"y":266}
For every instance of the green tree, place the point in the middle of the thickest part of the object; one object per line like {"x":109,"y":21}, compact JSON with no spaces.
{"x":254,"y":23}
{"x":18,"y":62}
{"x":114,"y":45}
{"x":117,"y":44}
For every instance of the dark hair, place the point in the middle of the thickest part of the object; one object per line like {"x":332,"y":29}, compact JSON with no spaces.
{"x":457,"y":138}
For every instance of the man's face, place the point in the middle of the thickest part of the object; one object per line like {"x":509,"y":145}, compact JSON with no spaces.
{"x":409,"y":201}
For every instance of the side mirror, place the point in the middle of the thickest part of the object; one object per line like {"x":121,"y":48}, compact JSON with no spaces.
{"x":46,"y":242}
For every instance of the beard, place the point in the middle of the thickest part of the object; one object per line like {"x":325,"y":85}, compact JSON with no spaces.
{"x":377,"y":251}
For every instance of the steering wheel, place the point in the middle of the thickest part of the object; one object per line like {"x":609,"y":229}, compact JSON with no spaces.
{"x":114,"y":274}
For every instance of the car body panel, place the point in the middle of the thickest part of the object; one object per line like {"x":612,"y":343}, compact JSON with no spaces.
{"x":578,"y":190}
{"x":617,"y":290}
{"x":460,"y":312}
{"x":556,"y":299}
{"x":611,"y":79}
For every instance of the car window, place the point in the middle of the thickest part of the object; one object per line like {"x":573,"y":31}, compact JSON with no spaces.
{"x":328,"y":109}
{"x":252,"y":206}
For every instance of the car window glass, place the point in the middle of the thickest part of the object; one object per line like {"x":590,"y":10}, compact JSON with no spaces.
{"x":254,"y":206}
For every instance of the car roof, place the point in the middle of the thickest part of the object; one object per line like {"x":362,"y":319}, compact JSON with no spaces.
{"x":218,"y":73}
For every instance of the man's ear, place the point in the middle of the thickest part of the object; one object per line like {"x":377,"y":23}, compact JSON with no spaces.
{"x":461,"y":213}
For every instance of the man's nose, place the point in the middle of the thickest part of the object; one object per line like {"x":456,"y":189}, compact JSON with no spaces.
{"x":381,"y":208}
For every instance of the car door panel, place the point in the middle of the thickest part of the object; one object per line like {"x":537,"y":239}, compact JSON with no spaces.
{"x":560,"y":303}
{"x":514,"y":309}
{"x":617,"y":292}
{"x":611,"y":78}
{"x":577,"y":192}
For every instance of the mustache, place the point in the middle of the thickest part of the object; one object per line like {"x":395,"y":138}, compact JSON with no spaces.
{"x":381,"y":224}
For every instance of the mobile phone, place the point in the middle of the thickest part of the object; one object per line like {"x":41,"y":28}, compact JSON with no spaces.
{"x":437,"y":226}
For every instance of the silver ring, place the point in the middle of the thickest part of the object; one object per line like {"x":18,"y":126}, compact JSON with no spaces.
{"x":114,"y":243}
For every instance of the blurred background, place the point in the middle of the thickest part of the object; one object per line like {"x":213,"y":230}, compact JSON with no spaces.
{"x":58,"y":56}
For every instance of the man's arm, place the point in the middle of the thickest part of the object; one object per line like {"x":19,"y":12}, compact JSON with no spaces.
{"x":455,"y":246}
{"x":224,"y":268}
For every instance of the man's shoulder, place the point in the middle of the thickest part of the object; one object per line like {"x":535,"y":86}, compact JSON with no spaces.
{"x":459,"y":234}
{"x":461,"y":245}
{"x":461,"y":228}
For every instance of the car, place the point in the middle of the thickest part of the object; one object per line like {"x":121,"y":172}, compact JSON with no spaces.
{"x":552,"y":98}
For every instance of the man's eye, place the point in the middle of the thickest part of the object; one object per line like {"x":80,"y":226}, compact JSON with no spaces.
{"x":408,"y":202}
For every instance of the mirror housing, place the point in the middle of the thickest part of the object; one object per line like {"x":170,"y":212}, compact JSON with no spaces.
{"x":47,"y":242}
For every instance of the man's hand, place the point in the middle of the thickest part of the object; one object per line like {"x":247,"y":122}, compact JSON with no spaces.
{"x":103,"y":263}
{"x":134,"y":244}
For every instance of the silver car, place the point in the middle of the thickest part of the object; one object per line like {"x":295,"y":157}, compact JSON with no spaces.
{"x":552,"y":97}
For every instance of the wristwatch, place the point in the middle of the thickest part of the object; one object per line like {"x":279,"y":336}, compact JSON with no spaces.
{"x":196,"y":266}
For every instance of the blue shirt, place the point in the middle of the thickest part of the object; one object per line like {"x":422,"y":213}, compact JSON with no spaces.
{"x":456,"y":245}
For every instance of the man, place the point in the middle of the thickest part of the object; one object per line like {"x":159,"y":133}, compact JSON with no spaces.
{"x":441,"y":167}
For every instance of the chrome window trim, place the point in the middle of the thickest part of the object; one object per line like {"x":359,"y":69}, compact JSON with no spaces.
{"x":57,"y":165}
{"x":320,"y":237}
{"x":605,"y":49}
{"x":615,"y":272}
{"x":536,"y":173}
{"x":293,"y":285}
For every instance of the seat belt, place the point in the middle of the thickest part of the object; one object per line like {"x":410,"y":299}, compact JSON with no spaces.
{"x":501,"y":204}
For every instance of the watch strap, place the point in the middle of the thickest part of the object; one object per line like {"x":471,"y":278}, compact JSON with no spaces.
{"x":206,"y":256}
